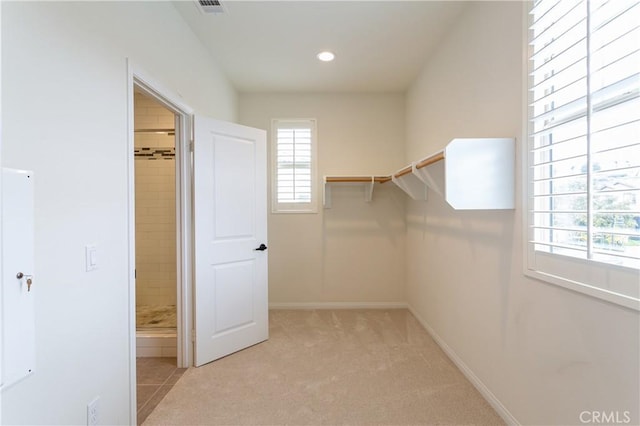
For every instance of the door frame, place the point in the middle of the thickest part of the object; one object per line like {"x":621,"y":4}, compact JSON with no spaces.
{"x":1,"y":336}
{"x":136,"y":77}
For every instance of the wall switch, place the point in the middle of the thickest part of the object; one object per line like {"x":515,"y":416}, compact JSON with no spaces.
{"x":91,"y":257}
{"x":93,"y":417}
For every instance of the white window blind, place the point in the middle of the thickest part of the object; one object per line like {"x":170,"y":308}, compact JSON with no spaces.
{"x":294,"y":166}
{"x":584,"y":141}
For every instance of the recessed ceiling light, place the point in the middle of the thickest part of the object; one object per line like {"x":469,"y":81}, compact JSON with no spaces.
{"x":326,"y":56}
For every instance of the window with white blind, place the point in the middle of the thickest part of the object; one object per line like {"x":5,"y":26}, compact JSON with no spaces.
{"x":293,"y":166}
{"x":584,"y":146}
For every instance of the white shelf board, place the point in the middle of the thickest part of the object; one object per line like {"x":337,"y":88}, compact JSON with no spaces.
{"x":479,"y":173}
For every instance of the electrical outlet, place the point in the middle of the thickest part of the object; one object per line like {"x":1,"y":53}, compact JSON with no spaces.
{"x":93,"y":412}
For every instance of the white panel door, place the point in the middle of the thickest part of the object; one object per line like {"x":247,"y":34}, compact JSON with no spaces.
{"x":18,"y":284}
{"x":230,"y":225}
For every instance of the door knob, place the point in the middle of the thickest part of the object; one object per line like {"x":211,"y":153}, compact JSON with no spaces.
{"x":261,"y":248}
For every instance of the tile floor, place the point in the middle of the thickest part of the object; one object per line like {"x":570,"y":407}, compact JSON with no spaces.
{"x":155,"y":377}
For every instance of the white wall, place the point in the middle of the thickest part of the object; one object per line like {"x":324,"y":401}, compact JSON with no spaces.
{"x":65,"y":117}
{"x":353,"y":252}
{"x":546,"y":353}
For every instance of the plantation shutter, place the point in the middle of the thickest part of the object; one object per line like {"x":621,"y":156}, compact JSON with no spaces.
{"x":584,"y":129}
{"x":294,"y":166}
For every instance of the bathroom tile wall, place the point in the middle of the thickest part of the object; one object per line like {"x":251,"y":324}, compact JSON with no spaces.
{"x":155,"y":205}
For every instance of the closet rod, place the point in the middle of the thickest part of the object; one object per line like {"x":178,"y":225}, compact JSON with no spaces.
{"x":342,"y":179}
{"x":423,"y":163}
{"x":430,"y":160}
{"x":404,"y":171}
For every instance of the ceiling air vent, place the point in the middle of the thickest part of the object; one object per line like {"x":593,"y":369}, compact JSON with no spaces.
{"x":210,"y":6}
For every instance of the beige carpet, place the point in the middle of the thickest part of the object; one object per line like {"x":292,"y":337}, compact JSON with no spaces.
{"x":356,"y":367}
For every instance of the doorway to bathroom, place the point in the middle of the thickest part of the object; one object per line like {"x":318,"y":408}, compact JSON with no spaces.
{"x":156,"y":230}
{"x":220,"y":225}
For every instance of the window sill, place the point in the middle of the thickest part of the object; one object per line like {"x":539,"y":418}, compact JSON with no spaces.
{"x":589,"y":290}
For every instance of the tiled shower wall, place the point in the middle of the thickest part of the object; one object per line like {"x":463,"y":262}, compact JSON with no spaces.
{"x":155,"y":205}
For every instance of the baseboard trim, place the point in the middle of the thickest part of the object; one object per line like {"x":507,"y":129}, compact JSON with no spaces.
{"x":339,"y":305}
{"x":468,"y":373}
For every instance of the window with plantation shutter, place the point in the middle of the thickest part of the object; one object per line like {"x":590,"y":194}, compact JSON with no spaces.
{"x":584,"y":146}
{"x":294,"y":166}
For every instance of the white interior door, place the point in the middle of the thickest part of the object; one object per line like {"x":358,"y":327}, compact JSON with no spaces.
{"x":230,"y":223}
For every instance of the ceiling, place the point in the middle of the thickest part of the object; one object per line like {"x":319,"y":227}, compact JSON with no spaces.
{"x":271,"y":46}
